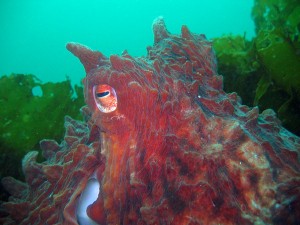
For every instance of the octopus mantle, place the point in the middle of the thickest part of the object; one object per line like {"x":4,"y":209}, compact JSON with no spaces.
{"x":166,"y":145}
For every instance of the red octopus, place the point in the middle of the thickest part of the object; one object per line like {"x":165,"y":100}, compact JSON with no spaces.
{"x":162,"y":144}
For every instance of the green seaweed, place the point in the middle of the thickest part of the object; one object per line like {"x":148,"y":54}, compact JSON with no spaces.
{"x":27,"y":117}
{"x":279,"y":58}
{"x":237,"y":63}
{"x":261,"y":89}
{"x":265,"y":71}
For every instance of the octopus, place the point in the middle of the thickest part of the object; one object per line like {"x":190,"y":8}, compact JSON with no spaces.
{"x":161,"y":143}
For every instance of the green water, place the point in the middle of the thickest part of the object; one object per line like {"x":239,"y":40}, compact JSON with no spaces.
{"x":34,"y":32}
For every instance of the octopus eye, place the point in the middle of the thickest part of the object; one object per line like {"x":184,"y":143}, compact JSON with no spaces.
{"x":105,"y":98}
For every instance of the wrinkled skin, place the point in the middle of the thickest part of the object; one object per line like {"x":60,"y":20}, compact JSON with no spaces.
{"x":167,"y":146}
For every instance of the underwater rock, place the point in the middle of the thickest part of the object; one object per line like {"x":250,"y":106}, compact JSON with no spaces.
{"x":165,"y":145}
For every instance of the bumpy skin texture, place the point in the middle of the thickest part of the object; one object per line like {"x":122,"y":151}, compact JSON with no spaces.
{"x":177,"y":149}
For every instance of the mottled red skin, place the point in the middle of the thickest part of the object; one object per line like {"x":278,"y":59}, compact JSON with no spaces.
{"x":177,"y":150}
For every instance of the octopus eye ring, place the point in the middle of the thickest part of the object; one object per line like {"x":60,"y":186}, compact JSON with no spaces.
{"x":105,"y":98}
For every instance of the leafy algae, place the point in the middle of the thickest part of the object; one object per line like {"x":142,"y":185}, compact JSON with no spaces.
{"x":27,"y":117}
{"x":266,"y":70}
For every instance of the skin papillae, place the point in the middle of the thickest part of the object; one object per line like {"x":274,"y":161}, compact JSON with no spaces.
{"x":176,"y":149}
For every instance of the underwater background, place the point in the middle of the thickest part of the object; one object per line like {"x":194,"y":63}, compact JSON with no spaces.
{"x":256,"y":43}
{"x":35,"y":32}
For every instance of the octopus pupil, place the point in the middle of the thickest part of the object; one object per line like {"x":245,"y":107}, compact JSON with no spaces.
{"x":102,"y":94}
